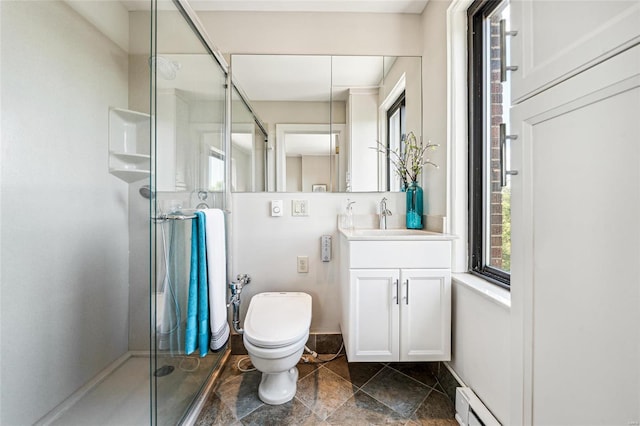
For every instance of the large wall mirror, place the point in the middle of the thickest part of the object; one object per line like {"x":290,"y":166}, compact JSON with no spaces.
{"x":312,"y":123}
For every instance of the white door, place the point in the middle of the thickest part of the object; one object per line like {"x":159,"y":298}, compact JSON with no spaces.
{"x":374,"y":314}
{"x":425,"y":315}
{"x":575,"y":283}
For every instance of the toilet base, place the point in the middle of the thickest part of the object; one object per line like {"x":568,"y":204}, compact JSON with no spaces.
{"x":278,"y":388}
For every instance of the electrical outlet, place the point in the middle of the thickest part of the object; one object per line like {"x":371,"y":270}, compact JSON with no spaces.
{"x":303,"y":264}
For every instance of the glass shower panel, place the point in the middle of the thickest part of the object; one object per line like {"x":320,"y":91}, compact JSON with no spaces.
{"x":188,"y":108}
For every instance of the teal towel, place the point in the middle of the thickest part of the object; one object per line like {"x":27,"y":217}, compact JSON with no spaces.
{"x":203,"y":289}
{"x":191,"y":341}
{"x":197,"y":332}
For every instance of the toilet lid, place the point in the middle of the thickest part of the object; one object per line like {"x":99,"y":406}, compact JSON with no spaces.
{"x":277,"y":319}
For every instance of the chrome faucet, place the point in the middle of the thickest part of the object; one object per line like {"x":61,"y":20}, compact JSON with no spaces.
{"x":384,"y":212}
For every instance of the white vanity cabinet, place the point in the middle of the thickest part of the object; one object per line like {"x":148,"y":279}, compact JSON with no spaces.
{"x":396,"y":299}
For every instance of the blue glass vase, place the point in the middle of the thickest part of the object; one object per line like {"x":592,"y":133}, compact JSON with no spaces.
{"x":414,"y":206}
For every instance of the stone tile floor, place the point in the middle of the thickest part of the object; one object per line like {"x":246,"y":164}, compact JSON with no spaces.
{"x":333,"y":393}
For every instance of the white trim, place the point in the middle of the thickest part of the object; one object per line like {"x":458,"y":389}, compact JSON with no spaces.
{"x":496,"y":294}
{"x":454,"y":374}
{"x":391,"y":98}
{"x":456,"y":203}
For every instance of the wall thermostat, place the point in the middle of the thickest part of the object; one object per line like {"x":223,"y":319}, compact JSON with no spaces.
{"x":276,"y":208}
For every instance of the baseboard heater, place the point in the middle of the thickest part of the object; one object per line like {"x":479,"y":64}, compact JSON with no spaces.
{"x":470,"y":411}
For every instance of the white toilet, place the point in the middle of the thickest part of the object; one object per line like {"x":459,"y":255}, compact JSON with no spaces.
{"x":276,"y":329}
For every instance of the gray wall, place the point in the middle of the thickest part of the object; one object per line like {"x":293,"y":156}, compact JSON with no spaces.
{"x":64,"y":220}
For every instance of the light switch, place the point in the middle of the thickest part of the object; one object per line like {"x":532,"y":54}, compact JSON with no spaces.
{"x":276,"y":207}
{"x":299,"y":208}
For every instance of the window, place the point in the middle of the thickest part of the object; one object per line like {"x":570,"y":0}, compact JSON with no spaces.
{"x":396,"y":133}
{"x":216,"y":170}
{"x":489,"y":181}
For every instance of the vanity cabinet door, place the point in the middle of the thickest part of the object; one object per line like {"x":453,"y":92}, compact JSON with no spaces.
{"x":374,"y":315}
{"x":425,"y":315}
{"x":559,"y":39}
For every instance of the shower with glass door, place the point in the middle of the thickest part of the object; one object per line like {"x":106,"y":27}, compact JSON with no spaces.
{"x":109,"y":157}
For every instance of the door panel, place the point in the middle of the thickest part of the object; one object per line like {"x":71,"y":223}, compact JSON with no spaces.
{"x":374,"y":314}
{"x":425,"y":314}
{"x":558,"y":39}
{"x":575,"y":288}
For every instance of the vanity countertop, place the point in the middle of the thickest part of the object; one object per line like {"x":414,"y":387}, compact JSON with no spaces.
{"x":393,"y":234}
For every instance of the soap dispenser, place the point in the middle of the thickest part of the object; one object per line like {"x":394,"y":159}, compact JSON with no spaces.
{"x":348,"y":218}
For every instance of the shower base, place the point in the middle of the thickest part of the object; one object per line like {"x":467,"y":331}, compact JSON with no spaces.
{"x":120,"y":394}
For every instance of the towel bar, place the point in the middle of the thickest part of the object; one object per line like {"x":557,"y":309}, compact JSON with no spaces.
{"x":178,"y":216}
{"x":173,"y":216}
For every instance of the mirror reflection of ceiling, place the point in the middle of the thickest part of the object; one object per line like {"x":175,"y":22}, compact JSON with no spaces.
{"x":291,"y":78}
{"x":301,"y":144}
{"x":306,"y":77}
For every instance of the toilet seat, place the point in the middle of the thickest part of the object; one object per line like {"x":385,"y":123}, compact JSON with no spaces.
{"x":276,"y":320}
{"x":277,"y":352}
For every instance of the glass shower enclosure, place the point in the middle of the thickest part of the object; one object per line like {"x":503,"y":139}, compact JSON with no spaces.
{"x":113,"y":132}
{"x":188,"y":172}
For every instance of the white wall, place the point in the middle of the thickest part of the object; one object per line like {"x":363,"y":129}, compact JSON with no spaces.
{"x":64,"y":248}
{"x":434,"y":103}
{"x":266,"y":247}
{"x":316,"y":169}
{"x":294,"y":174}
{"x":480,"y":342}
{"x":363,"y":134}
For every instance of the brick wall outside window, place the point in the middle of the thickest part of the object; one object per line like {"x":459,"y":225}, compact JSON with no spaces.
{"x":496,"y":108}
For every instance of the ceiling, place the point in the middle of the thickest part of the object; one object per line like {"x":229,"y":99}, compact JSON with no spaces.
{"x":356,"y":6}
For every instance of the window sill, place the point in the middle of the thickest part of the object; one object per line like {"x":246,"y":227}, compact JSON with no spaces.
{"x":488,"y":290}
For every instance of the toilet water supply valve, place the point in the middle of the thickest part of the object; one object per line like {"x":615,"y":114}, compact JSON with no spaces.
{"x":236,"y":289}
